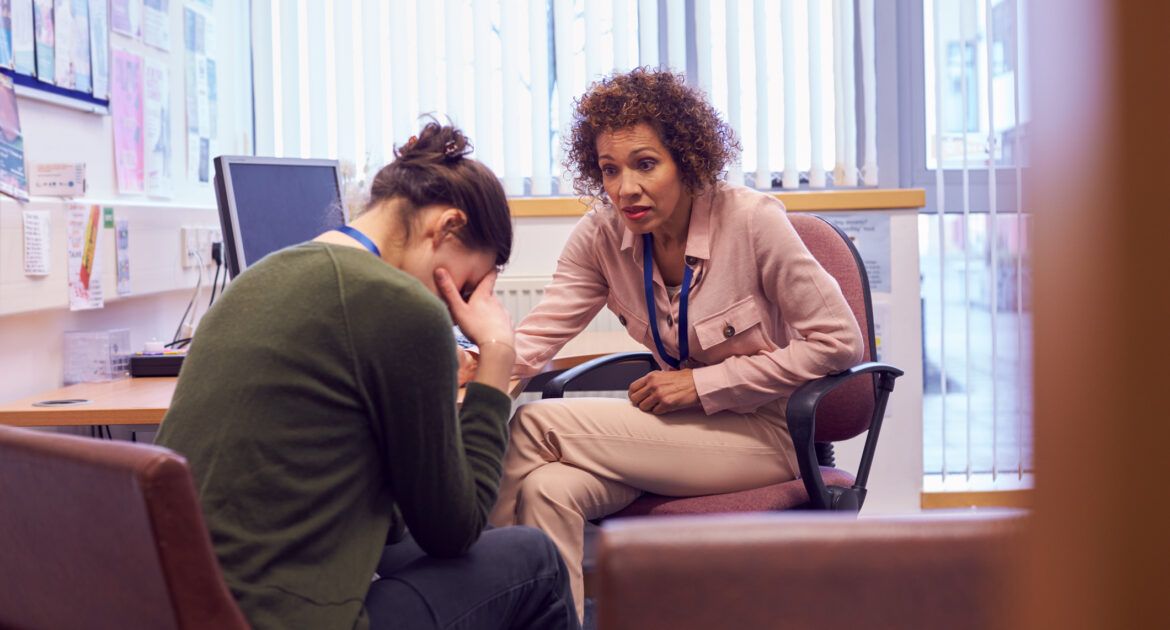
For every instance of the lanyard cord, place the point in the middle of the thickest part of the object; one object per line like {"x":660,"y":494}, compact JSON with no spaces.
{"x":648,"y":278}
{"x":361,"y":238}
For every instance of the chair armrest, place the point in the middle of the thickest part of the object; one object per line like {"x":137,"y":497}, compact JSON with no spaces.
{"x":555,"y":388}
{"x":801,"y":413}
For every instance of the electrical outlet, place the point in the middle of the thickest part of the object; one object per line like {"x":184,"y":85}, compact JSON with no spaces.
{"x":188,"y":245}
{"x":195,"y":243}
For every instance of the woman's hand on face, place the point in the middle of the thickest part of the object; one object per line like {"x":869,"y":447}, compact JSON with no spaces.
{"x":481,"y":317}
{"x":662,"y":392}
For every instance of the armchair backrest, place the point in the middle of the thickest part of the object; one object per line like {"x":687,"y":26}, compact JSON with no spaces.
{"x":104,"y":534}
{"x":847,"y":411}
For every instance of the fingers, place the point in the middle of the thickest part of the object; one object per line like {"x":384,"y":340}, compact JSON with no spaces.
{"x":487,"y":286}
{"x":447,"y":288}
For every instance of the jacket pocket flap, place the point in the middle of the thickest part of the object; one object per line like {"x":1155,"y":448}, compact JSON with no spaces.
{"x":715,"y":329}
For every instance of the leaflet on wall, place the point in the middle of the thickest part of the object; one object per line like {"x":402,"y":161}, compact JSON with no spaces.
{"x":870,"y":233}
{"x":158,"y":130}
{"x":82,"y":246}
{"x":23,"y":47}
{"x":45,"y":40}
{"x":126,"y":17}
{"x":36,"y":242}
{"x":202,"y":92}
{"x":99,"y":47}
{"x":6,"y":33}
{"x":13,"y":181}
{"x":156,"y":23}
{"x":126,"y":108}
{"x":122,"y":254}
{"x":72,"y":33}
{"x":881,"y":326}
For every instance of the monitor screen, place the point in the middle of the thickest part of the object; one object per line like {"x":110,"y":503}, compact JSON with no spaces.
{"x":267,"y":204}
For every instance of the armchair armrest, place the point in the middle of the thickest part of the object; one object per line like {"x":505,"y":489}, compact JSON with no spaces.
{"x":555,"y":388}
{"x":801,"y":413}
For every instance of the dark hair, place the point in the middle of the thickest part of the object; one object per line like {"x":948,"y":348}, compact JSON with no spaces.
{"x":699,"y":141}
{"x":433,"y":168}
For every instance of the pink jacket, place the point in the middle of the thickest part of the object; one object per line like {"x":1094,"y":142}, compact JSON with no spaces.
{"x":764,"y":316}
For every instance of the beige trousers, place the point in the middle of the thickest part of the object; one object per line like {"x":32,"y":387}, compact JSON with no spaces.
{"x":577,"y":459}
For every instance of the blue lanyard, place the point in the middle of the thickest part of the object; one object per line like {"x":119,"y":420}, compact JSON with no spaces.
{"x":361,"y":238}
{"x":648,"y":277}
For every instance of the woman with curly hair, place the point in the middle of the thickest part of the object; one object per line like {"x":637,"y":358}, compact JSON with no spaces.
{"x":711,"y":277}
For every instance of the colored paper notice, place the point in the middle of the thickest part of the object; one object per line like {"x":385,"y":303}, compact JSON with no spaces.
{"x":126,"y":17}
{"x":24,"y":58}
{"x":156,"y":23}
{"x":36,"y":242}
{"x":99,"y":49}
{"x":45,"y":40}
{"x":82,"y":245}
{"x":158,"y":130}
{"x":13,"y":181}
{"x":72,"y":32}
{"x":122,"y":252}
{"x":126,"y":106}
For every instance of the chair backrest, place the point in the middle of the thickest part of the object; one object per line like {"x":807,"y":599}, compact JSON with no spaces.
{"x":808,"y":571}
{"x":848,"y":411}
{"x":104,"y":534}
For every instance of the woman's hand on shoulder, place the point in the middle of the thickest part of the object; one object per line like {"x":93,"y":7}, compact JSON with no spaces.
{"x":662,"y":392}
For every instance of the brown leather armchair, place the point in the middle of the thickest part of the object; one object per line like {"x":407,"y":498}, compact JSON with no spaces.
{"x":806,"y":570}
{"x":103,"y":534}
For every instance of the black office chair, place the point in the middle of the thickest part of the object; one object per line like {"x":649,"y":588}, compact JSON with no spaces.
{"x":826,"y":410}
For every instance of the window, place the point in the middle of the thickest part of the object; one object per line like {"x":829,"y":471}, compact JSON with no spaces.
{"x":974,"y":243}
{"x":348,"y":79}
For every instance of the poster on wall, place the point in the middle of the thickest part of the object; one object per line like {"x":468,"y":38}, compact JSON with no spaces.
{"x":99,"y":48}
{"x":45,"y":40}
{"x":13,"y":180}
{"x":870,"y":233}
{"x":202,"y":93}
{"x":126,"y":17}
{"x":72,"y":36}
{"x":82,"y":244}
{"x":158,"y":130}
{"x":126,"y":108}
{"x":6,"y":34}
{"x":23,"y":47}
{"x":156,"y":23}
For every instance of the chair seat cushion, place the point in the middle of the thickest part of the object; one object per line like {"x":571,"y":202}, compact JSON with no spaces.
{"x":780,"y":496}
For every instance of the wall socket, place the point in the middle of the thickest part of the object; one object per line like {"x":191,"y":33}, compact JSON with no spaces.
{"x":193,"y":239}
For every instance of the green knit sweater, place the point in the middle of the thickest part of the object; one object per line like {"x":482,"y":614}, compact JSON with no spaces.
{"x":317,"y":411}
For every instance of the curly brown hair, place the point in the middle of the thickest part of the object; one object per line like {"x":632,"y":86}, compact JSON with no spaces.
{"x":699,"y":141}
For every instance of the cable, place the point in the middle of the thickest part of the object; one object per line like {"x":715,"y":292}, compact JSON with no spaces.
{"x":215,"y":280}
{"x":191,"y":303}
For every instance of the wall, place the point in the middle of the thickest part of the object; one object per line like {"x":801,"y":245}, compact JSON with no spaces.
{"x":896,"y":477}
{"x":34,"y":311}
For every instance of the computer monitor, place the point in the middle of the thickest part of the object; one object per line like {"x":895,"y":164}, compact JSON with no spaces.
{"x":267,"y":204}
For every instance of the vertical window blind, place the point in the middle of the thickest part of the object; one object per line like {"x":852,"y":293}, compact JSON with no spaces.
{"x":976,"y":304}
{"x":349,"y":79}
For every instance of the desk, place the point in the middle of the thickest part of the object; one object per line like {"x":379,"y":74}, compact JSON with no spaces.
{"x":144,"y":401}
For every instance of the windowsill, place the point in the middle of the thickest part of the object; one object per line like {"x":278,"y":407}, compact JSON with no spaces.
{"x":980,"y":490}
{"x":795,"y":201}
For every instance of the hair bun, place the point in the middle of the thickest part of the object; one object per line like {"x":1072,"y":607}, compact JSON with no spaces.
{"x":435,"y":143}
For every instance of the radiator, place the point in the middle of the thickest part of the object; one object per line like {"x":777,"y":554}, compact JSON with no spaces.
{"x":519,"y":294}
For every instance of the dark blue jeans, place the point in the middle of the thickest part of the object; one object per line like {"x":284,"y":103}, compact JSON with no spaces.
{"x":512,"y":577}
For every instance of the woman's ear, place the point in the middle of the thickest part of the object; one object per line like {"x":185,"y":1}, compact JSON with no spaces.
{"x":449,"y":222}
